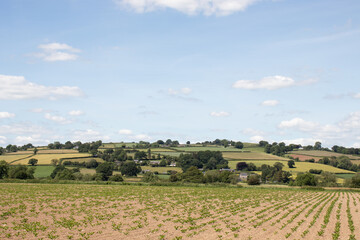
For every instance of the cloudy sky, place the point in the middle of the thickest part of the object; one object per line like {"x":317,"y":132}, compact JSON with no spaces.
{"x":129,"y":70}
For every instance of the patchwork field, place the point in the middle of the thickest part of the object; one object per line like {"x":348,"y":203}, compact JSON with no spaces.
{"x":46,"y":158}
{"x":197,"y":149}
{"x":149,"y":212}
{"x":304,"y":157}
{"x":250,"y":156}
{"x":299,"y":166}
{"x":161,"y":169}
{"x":316,"y":153}
{"x":13,"y":157}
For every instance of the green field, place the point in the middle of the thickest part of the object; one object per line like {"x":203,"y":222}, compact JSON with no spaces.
{"x":299,"y":166}
{"x":250,"y":156}
{"x":197,"y":149}
{"x":161,"y":169}
{"x":317,"y":153}
{"x":43,"y":171}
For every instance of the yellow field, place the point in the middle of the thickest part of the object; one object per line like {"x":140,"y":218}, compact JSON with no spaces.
{"x":250,"y":156}
{"x":80,"y":160}
{"x":299,"y":166}
{"x":161,"y":150}
{"x":9,"y":158}
{"x":161,"y":169}
{"x":57,"y":151}
{"x":46,"y":158}
{"x":20,"y":152}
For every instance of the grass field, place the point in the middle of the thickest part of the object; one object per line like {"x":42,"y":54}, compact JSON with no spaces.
{"x":316,"y":153}
{"x":173,"y":154}
{"x":304,"y":157}
{"x":197,"y":149}
{"x":43,"y":171}
{"x":46,"y":158}
{"x":57,"y":151}
{"x":42,"y":211}
{"x":250,"y":156}
{"x":161,"y":169}
{"x":299,"y":166}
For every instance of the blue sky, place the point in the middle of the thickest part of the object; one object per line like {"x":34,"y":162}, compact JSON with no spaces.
{"x":130,"y":70}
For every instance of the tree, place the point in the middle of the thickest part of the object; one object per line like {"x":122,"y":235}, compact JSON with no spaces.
{"x":140,"y":155}
{"x":105,"y":169}
{"x":4,"y":169}
{"x":21,"y":172}
{"x":150,"y":177}
{"x":92,"y":163}
{"x":291,"y":163}
{"x":263,"y":143}
{"x":149,"y":153}
{"x":130,"y":169}
{"x":35,"y":151}
{"x":305,"y":179}
{"x":188,"y":142}
{"x":241,"y":166}
{"x":317,"y":146}
{"x":253,"y":179}
{"x":65,"y":174}
{"x":193,"y":175}
{"x":33,"y":161}
{"x":162,"y":163}
{"x":54,"y":162}
{"x":239,"y":145}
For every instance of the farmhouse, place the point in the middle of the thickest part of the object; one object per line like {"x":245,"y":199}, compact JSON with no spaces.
{"x":243,"y":176}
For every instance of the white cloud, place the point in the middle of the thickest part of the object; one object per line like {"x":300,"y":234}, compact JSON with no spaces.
{"x":351,"y":122}
{"x":270,"y":103}
{"x":37,"y":110}
{"x":76,"y":113}
{"x":3,"y":140}
{"x":22,"y":129}
{"x":299,"y":124}
{"x":219,"y":114}
{"x":357,"y":95}
{"x":57,"y":52}
{"x":57,"y":119}
{"x":271,"y":83}
{"x":190,"y":7}
{"x":125,"y":132}
{"x":302,"y":141}
{"x":186,"y":90}
{"x":140,"y":137}
{"x":256,"y":138}
{"x":182,"y":94}
{"x":6,"y":115}
{"x":88,"y":136}
{"x":17,"y":87}
{"x":35,"y":139}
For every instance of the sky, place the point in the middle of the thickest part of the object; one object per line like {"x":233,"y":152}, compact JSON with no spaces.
{"x":188,"y":70}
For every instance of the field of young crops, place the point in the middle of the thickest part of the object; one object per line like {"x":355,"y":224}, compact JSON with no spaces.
{"x":41,"y":211}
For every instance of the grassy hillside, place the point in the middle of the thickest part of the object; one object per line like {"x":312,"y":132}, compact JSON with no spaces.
{"x":315,"y":153}
{"x":299,"y":166}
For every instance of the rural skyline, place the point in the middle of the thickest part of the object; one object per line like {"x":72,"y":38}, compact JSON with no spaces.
{"x":189,"y":70}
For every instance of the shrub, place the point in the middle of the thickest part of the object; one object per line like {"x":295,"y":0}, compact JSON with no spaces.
{"x":21,"y":172}
{"x":305,"y":179}
{"x":150,"y":177}
{"x":253,"y":179}
{"x":315,"y":171}
{"x":116,"y":178}
{"x":4,"y":169}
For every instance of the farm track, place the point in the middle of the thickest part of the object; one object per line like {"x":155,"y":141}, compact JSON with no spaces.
{"x":30,"y":211}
